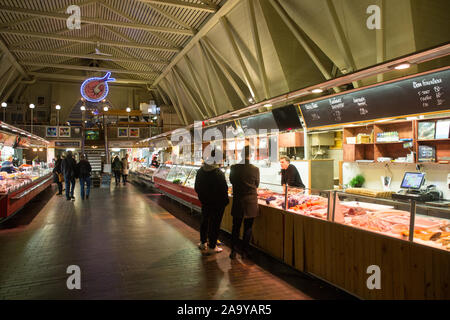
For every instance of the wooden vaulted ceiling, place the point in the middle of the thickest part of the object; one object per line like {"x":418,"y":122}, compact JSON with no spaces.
{"x":208,"y":57}
{"x":141,"y":37}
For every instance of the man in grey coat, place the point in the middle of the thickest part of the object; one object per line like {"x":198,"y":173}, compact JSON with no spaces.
{"x":245,"y":180}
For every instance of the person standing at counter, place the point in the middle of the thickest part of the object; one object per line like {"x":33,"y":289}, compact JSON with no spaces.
{"x":212,"y":191}
{"x":7,"y":166}
{"x":57,"y":174}
{"x":69,"y":169}
{"x":245,"y":180}
{"x":289,"y":174}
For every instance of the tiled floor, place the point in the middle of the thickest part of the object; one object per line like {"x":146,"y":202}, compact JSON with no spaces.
{"x":127,"y":247}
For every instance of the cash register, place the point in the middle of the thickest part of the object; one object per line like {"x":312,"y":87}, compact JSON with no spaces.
{"x":411,"y":189}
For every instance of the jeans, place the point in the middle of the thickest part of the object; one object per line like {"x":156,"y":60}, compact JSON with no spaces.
{"x":124,"y":178}
{"x":248,"y":224}
{"x":211,"y":220}
{"x":86,"y":180}
{"x":117,"y":175}
{"x":69,"y":182}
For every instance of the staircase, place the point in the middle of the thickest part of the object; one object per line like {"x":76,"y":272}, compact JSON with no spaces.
{"x":95,"y":159}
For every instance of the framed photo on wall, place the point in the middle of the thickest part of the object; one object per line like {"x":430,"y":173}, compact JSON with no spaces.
{"x":122,"y":132}
{"x":51,"y":132}
{"x":64,"y":132}
{"x":134,"y":132}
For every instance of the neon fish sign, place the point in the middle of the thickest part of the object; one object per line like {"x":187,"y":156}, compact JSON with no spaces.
{"x":96,"y":89}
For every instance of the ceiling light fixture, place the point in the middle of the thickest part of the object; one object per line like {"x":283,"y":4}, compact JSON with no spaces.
{"x":58,"y":107}
{"x":318,"y":90}
{"x":402,"y":66}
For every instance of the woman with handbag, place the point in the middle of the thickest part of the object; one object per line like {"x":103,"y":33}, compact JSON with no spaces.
{"x":57,"y":174}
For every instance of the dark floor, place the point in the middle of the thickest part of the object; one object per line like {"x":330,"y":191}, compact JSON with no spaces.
{"x":129,"y":247}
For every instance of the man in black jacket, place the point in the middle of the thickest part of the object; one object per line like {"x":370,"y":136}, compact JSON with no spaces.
{"x":212,"y":191}
{"x":289,"y":174}
{"x":69,"y":169}
{"x":84,"y":170}
{"x":245,"y":180}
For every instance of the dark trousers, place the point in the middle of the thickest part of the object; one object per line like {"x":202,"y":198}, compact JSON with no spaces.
{"x":69,"y":183}
{"x":209,"y":229}
{"x":248,"y":224}
{"x":124,"y":178}
{"x":59,"y":184}
{"x":117,"y":175}
{"x":85,"y":181}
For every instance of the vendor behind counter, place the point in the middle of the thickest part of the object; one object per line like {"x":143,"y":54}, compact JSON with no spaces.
{"x":289,"y":174}
{"x":7,"y":166}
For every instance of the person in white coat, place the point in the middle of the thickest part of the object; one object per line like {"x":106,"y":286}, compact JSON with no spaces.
{"x":125,"y":167}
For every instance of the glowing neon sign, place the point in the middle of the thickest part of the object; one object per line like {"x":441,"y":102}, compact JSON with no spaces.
{"x":96,"y":89}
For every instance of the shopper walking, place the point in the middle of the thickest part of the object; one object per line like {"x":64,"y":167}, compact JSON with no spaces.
{"x":84,"y":170}
{"x":57,"y":174}
{"x":117,"y":169}
{"x":69,"y":171}
{"x":125,"y":168}
{"x":212,"y":191}
{"x":245,"y":180}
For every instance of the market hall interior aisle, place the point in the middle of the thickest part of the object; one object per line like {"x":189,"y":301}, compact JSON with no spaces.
{"x":127,"y":247}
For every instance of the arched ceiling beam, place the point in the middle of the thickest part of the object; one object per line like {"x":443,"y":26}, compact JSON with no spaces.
{"x":12,"y":59}
{"x":87,"y":56}
{"x":174,"y":104}
{"x":257,"y":44}
{"x":197,"y":85}
{"x":132,"y":20}
{"x":204,"y":63}
{"x":344,"y":47}
{"x":6,"y":79}
{"x":237,"y":53}
{"x":60,"y":9}
{"x":176,"y":98}
{"x":183,"y":4}
{"x":188,"y":91}
{"x":293,"y":28}
{"x":68,"y":77}
{"x":218,"y":58}
{"x":87,"y":68}
{"x":96,"y":21}
{"x":86,"y":40}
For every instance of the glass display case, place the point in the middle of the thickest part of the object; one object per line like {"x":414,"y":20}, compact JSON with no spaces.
{"x":26,"y":175}
{"x":190,"y":181}
{"x":430,"y":225}
{"x":163,"y":171}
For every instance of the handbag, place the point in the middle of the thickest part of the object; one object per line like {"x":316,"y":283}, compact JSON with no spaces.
{"x":60,"y":177}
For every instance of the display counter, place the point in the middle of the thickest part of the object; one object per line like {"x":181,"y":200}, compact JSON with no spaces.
{"x":337,"y":236}
{"x":17,"y":189}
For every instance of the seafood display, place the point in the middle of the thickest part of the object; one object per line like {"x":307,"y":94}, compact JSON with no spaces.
{"x":427,"y":230}
{"x":15,"y":181}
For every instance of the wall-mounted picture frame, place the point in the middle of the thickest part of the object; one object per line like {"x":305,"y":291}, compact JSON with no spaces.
{"x":64,"y":132}
{"x":122,"y":132}
{"x":134,"y":133}
{"x":51,"y":132}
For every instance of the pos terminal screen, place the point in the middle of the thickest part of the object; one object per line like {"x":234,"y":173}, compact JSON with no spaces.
{"x":412,"y":180}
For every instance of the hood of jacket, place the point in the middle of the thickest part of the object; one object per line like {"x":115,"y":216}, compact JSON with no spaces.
{"x":209,"y":167}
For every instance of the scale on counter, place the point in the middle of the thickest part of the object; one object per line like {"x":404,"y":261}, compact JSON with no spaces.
{"x":412,"y":189}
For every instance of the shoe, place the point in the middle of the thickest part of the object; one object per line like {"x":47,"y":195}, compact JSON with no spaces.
{"x":203,"y":246}
{"x":82,"y":198}
{"x":210,"y":251}
{"x":87,"y":197}
{"x":233,"y":255}
{"x":68,"y":199}
{"x":246,"y":256}
{"x":59,"y":193}
{"x":73,"y":198}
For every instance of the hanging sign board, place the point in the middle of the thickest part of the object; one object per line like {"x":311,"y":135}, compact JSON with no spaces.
{"x":427,"y":93}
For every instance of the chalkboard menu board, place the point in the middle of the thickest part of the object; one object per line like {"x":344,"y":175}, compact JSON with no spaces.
{"x":261,"y":121}
{"x":417,"y":95}
{"x":287,"y":118}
